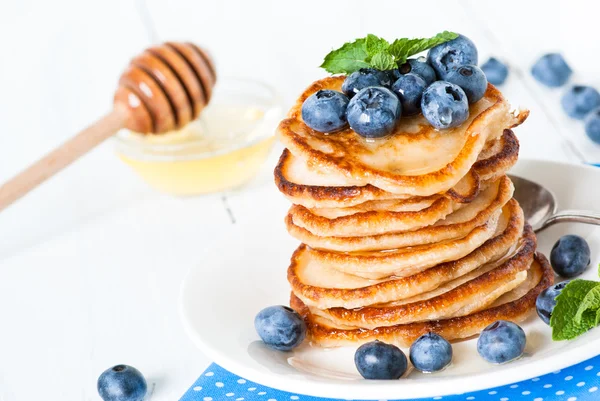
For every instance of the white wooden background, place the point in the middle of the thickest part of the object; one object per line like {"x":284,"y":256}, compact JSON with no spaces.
{"x":91,"y":262}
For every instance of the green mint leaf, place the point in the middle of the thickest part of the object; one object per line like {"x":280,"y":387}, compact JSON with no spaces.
{"x":347,"y":59}
{"x":597,"y":318}
{"x":591,"y":302}
{"x":383,"y":61}
{"x":375,"y":52}
{"x":402,"y":49}
{"x":563,"y":323}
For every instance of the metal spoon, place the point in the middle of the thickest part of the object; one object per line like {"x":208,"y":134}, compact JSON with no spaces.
{"x":539,"y":206}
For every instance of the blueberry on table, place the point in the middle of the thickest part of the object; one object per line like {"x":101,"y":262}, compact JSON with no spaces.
{"x":122,"y":383}
{"x":325,"y":111}
{"x":495,"y":71}
{"x":570,"y":256}
{"x":551,"y":70}
{"x":471,"y":79}
{"x":579,"y":100}
{"x":444,"y":105}
{"x":501,"y":342}
{"x":430,"y":353}
{"x":546,"y":301}
{"x":364,"y":78}
{"x":380,"y":361}
{"x":373,"y":112}
{"x":592,"y":125}
{"x":452,"y":54}
{"x":409,"y":88}
{"x":420,"y":67}
{"x":280,"y":327}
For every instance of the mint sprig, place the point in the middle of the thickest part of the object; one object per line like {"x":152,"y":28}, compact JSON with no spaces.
{"x":577,"y":310}
{"x":375,"y":52}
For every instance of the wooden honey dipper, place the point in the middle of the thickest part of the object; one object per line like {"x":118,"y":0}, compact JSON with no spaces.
{"x":162,"y":89}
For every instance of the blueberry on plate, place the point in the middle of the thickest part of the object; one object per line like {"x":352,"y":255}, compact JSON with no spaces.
{"x":579,"y":100}
{"x":570,"y":256}
{"x":546,"y":301}
{"x":122,"y":383}
{"x":373,"y":112}
{"x":444,"y":105}
{"x":364,"y":78}
{"x":592,"y":125}
{"x":551,"y":70}
{"x":451,"y":55}
{"x":471,"y":79}
{"x":430,"y":353}
{"x":325,"y":111}
{"x":501,"y":342}
{"x":420,"y":67}
{"x":380,"y":361}
{"x":409,"y":88}
{"x":280,"y":327}
{"x":495,"y":71}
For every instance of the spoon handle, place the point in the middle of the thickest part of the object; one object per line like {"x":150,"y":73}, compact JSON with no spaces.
{"x":573,"y":216}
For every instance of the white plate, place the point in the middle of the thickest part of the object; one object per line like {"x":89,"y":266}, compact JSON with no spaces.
{"x":247,"y":273}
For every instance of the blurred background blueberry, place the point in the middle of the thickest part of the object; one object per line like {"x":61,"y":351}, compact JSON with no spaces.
{"x":551,"y":70}
{"x":592,"y":125}
{"x":579,"y":100}
{"x":495,"y":71}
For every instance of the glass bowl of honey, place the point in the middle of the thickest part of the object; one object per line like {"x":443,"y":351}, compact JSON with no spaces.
{"x":223,"y":149}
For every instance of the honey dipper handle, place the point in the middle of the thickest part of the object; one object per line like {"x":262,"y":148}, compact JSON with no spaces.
{"x":61,"y":157}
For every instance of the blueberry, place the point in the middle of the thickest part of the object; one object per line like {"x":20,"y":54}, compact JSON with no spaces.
{"x":364,"y":78}
{"x":409,"y":89}
{"x":418,"y":66}
{"x":325,"y":111}
{"x":546,"y":301}
{"x":444,"y":105}
{"x":451,"y":55}
{"x":280,"y":327}
{"x":501,"y":342}
{"x":122,"y":383}
{"x":380,"y":361}
{"x":570,"y":256}
{"x":495,"y":71}
{"x":579,"y":100}
{"x":471,"y":79}
{"x":592,"y":125}
{"x":430,"y":353}
{"x":551,"y":70}
{"x":373,"y":112}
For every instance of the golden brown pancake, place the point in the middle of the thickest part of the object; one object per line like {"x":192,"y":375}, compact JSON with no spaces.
{"x":517,"y":306}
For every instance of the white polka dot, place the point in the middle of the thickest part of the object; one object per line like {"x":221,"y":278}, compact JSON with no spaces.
{"x":589,"y":367}
{"x":239,"y":399}
{"x":569,"y":378}
{"x":556,"y":372}
{"x":252,"y":389}
{"x":535,"y":379}
{"x":219,"y":384}
{"x":598,"y":374}
{"x":271,"y":399}
{"x":547,"y":385}
{"x":209,"y":374}
{"x":207,"y":399}
{"x":262,"y":393}
{"x":526,"y":392}
{"x":504,"y":399}
{"x":470,"y":398}
{"x":197,"y":388}
{"x":493,"y":392}
{"x":591,"y":390}
{"x":538,"y":399}
{"x":514,"y":386}
{"x":580,"y":384}
{"x":560,"y":392}
{"x":572,"y":399}
{"x":241,"y":381}
{"x":294,"y":397}
{"x":230,"y":394}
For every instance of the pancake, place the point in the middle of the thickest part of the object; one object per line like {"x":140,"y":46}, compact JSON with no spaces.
{"x":455,"y":225}
{"x":464,"y":295}
{"x":415,"y":160}
{"x":323,"y":287}
{"x":516,"y":306}
{"x":307,"y":187}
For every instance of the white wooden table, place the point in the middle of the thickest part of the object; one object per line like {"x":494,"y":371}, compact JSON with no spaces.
{"x":92,"y":261}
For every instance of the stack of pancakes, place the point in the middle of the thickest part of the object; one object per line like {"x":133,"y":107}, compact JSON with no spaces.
{"x":412,"y":233}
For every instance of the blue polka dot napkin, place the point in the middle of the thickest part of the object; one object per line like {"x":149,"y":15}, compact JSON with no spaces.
{"x":580,"y":382}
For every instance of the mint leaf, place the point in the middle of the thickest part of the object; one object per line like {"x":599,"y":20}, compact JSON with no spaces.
{"x":383,"y":61}
{"x":597,"y":317}
{"x":563,"y":323}
{"x":591,"y":302}
{"x":402,"y":49}
{"x":375,"y":52}
{"x":347,"y":59}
